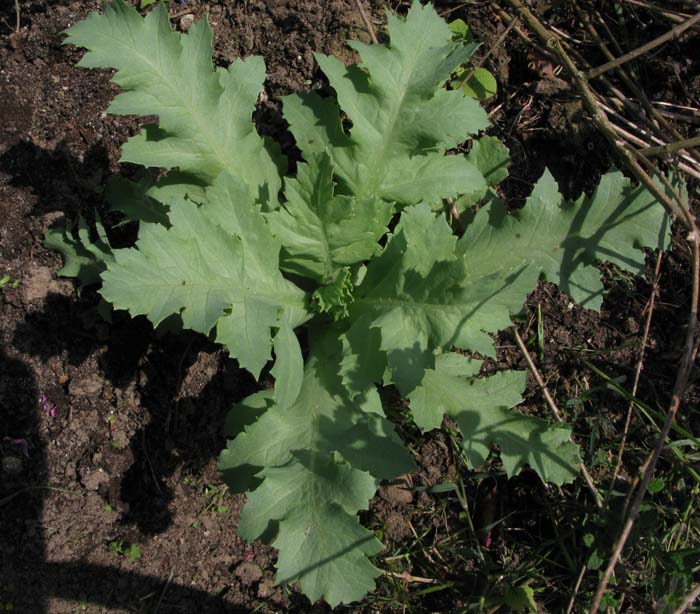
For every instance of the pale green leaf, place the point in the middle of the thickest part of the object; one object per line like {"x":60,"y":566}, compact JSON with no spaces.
{"x":443,"y":392}
{"x":149,"y":201}
{"x":563,"y":240}
{"x":324,"y":419}
{"x":419,"y":314}
{"x":83,"y":258}
{"x":320,"y":232}
{"x":480,"y":406}
{"x":289,"y":366}
{"x":335,"y":297}
{"x":247,"y":411}
{"x":521,"y":599}
{"x":480,"y":85}
{"x":319,"y":461}
{"x":491,"y":157}
{"x":221,"y":274}
{"x":241,"y":478}
{"x":315,"y":497}
{"x":460,"y":31}
{"x":429,"y":239}
{"x":204,"y":113}
{"x":363,"y":362}
{"x":523,"y":440}
{"x":403,"y":120}
{"x":458,"y":302}
{"x":133,"y":200}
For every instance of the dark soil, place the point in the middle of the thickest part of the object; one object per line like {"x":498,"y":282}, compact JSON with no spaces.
{"x":109,"y":434}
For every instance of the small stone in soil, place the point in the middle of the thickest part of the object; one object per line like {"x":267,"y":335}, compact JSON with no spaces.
{"x":40,"y":283}
{"x":266,"y":588}
{"x":396,"y":494}
{"x":186,"y":22}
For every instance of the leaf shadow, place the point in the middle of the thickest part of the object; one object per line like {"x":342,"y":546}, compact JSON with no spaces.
{"x":577,"y":249}
{"x":534,"y":451}
{"x":66,"y":331}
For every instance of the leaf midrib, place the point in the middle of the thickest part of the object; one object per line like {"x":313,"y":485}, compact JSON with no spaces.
{"x":380,"y":152}
{"x":203,"y":128}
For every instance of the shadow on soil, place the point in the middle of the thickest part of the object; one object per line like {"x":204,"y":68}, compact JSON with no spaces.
{"x":71,"y":330}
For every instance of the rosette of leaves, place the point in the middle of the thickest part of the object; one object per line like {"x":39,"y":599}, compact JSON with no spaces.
{"x":359,"y":253}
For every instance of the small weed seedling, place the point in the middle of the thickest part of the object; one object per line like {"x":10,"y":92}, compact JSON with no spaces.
{"x":356,"y":249}
{"x":7,"y":281}
{"x":478,"y":83}
{"x":121,"y":548}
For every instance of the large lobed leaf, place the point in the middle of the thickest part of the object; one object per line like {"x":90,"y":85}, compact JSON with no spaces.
{"x":322,"y":418}
{"x":83,"y":258}
{"x":481,"y":408}
{"x":403,"y":120}
{"x":205,"y":124}
{"x":322,"y":233}
{"x":319,"y":460}
{"x":216,"y":266}
{"x":422,"y":296}
{"x":563,"y":240}
{"x":315,"y":497}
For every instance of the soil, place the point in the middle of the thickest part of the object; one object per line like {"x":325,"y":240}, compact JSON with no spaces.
{"x":110,"y":499}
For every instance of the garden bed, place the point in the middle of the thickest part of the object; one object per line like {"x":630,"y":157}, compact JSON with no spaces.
{"x":110,"y":500}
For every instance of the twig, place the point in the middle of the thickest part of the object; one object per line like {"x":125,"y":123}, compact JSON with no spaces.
{"x":17,"y":20}
{"x":669,"y":14}
{"x":685,"y":166}
{"x":148,"y":460}
{"x":676,"y":208}
{"x":690,"y":118}
{"x":695,"y":111}
{"x":162,"y":594}
{"x":599,"y":118}
{"x":638,"y":370}
{"x":406,"y":577}
{"x":555,"y":410}
{"x":523,"y":35}
{"x":368,"y":23}
{"x":660,"y":120}
{"x":180,"y":14}
{"x":577,"y":586}
{"x":688,"y":600}
{"x":635,"y":53}
{"x":16,"y":494}
{"x":496,"y":45}
{"x":679,"y":387}
{"x":661,"y":150}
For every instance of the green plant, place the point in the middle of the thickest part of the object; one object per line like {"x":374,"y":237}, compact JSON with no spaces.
{"x":121,"y":548}
{"x":6,"y":280}
{"x":476,"y":83}
{"x":410,"y":307}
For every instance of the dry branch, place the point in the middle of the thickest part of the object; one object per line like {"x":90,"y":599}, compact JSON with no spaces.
{"x":639,"y":51}
{"x":555,"y":410}
{"x":674,"y":205}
